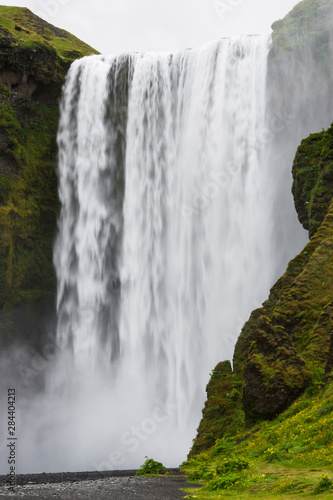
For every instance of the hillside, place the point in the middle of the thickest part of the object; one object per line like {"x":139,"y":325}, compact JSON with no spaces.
{"x":22,"y":29}
{"x":34,"y":60}
{"x":266,"y":425}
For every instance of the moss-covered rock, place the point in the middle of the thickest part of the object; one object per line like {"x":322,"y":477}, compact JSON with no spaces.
{"x":34,"y":60}
{"x":223,"y":408}
{"x":300,"y":66}
{"x":297,"y":311}
{"x":274,"y":374}
{"x":313,"y":179}
{"x":308,"y":25}
{"x":286,"y":346}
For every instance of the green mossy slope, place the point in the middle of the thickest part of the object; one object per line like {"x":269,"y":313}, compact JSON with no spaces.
{"x":34,"y":60}
{"x":309,"y":24}
{"x":285,"y":349}
{"x":300,"y":65}
{"x":289,"y":457}
{"x":21,"y":28}
{"x":286,"y":346}
{"x":313,"y":179}
{"x":222,"y":410}
{"x":267,"y":425}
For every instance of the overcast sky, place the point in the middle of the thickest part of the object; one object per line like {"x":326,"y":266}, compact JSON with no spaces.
{"x":114,"y":26}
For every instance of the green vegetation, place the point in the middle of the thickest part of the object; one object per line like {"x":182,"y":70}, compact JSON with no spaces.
{"x":28,"y":218}
{"x":313,"y":179}
{"x":151,"y":467}
{"x":300,"y":65}
{"x":283,"y":349}
{"x":222,"y":410}
{"x":267,"y":425}
{"x":23,"y":29}
{"x":290,"y":455}
{"x":5,"y":189}
{"x":35,"y":58}
{"x":308,"y":25}
{"x":266,"y":429}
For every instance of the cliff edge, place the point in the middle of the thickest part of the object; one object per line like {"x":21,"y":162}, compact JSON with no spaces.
{"x":34,"y":59}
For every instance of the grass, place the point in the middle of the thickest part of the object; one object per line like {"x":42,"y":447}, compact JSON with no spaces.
{"x":289,"y":457}
{"x":31,"y":32}
{"x":267,"y":481}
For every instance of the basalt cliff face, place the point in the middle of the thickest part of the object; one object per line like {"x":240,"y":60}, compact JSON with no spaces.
{"x":34,"y":60}
{"x":286,"y":346}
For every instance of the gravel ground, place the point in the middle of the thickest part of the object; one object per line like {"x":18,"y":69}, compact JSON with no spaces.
{"x":121,"y":486}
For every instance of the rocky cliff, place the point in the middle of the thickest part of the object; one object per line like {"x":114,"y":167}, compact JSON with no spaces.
{"x":34,"y":60}
{"x":286,"y":346}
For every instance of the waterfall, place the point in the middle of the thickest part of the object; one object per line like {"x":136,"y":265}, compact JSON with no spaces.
{"x":188,"y":242}
{"x":91,"y":219}
{"x":166,"y":243}
{"x":196,"y":215}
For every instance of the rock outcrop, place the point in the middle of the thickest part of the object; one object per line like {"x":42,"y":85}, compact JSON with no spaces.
{"x":313,"y":179}
{"x":34,"y":60}
{"x":287,"y":345}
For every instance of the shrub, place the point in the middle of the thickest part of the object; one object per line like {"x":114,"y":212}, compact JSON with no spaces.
{"x":224,"y":482}
{"x":203,"y":472}
{"x":324,"y":484}
{"x":151,"y":467}
{"x":234,"y":464}
{"x":224,"y":445}
{"x":297,"y":485}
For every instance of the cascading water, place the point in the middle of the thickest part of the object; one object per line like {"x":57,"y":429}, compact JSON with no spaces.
{"x":91,"y":218}
{"x":165,"y":245}
{"x":190,"y":243}
{"x":195,"y":206}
